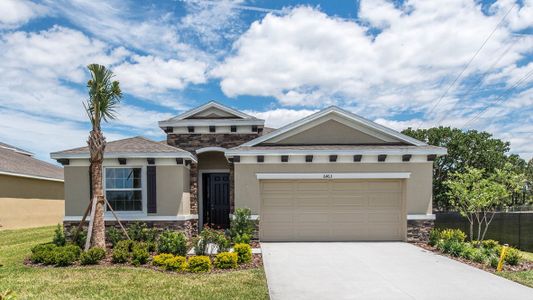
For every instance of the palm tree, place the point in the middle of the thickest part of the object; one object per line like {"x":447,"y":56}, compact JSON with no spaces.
{"x":104,"y":97}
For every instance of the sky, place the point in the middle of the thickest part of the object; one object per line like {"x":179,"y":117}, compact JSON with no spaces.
{"x":460,"y":63}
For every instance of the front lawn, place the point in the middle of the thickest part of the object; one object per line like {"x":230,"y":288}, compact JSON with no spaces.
{"x":117,"y":282}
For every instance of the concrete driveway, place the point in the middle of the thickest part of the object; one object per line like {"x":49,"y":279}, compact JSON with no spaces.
{"x":377,"y":271}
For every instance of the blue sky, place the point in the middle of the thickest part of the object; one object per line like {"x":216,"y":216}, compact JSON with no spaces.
{"x":390,"y":61}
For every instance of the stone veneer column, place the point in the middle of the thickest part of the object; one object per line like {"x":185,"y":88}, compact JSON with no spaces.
{"x":193,"y":189}
{"x":418,"y":230}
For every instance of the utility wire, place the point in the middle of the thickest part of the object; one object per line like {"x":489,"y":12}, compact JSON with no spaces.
{"x":468,"y":64}
{"x":499,"y":99}
{"x":478,"y":83}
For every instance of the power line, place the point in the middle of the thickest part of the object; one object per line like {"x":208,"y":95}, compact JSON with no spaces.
{"x":498,"y":100}
{"x":469,"y":91}
{"x":468,"y":64}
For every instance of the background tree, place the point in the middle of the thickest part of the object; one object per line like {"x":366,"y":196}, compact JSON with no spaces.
{"x":104,"y":97}
{"x":465,"y":149}
{"x":477,"y":198}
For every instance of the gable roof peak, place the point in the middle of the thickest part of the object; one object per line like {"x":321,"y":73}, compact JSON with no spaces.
{"x":342,"y":112}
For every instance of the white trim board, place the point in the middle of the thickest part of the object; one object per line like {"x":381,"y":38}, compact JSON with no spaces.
{"x":138,"y":217}
{"x":377,"y":151}
{"x":421,"y":217}
{"x":31,"y":176}
{"x":125,"y":155}
{"x":340,"y":112}
{"x":210,"y":149}
{"x":331,"y":176}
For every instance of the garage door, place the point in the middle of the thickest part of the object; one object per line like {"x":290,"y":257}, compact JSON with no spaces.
{"x":331,"y":210}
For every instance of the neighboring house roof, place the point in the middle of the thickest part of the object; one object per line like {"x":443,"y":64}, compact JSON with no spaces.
{"x":16,"y":162}
{"x":130,"y":147}
{"x":19,"y":150}
{"x":211,"y":113}
{"x":337,"y":149}
{"x":336,"y":111}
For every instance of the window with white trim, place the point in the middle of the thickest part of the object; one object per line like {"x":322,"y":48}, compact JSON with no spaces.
{"x":123,"y":188}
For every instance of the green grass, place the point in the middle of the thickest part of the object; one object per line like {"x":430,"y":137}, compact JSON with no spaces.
{"x":101,"y":282}
{"x":523,"y":277}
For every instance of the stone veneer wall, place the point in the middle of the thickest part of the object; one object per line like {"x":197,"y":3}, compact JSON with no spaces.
{"x":189,"y":227}
{"x":191,"y":142}
{"x":418,"y":230}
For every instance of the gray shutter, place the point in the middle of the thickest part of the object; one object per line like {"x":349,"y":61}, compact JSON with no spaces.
{"x":151,"y":189}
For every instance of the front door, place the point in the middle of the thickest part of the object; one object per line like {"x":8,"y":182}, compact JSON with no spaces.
{"x":216,"y":200}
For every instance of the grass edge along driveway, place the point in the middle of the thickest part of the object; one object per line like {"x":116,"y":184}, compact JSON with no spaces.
{"x":113,"y":282}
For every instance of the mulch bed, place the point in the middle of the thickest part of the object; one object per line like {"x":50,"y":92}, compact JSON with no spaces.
{"x":523,"y":266}
{"x":257,"y":262}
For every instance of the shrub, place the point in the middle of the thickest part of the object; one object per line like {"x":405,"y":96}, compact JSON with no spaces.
{"x":172,"y":242}
{"x":456,"y":248}
{"x":493,"y":261}
{"x":226,"y":260}
{"x":114,"y":236}
{"x":59,"y":236}
{"x":66,"y":255}
{"x":453,"y":235}
{"x":78,"y":237}
{"x":209,"y":236}
{"x":468,"y":252}
{"x":241,"y":226}
{"x":244,"y":252}
{"x":139,"y":254}
{"x":512,"y":256}
{"x":434,"y":236}
{"x":120,"y":255}
{"x":160,"y":259}
{"x":199,"y":263}
{"x":125,"y":245}
{"x":176,"y":263}
{"x":490,"y":244}
{"x":479,"y":256}
{"x":141,"y":233}
{"x":43,"y":254}
{"x":92,"y":256}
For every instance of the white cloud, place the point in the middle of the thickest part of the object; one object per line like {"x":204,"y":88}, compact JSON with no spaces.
{"x":17,"y":12}
{"x":308,"y":58}
{"x":279,"y":117}
{"x":149,"y":75}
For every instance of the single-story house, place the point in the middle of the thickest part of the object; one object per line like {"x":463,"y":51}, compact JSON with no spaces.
{"x":331,"y":176}
{"x":31,"y":190}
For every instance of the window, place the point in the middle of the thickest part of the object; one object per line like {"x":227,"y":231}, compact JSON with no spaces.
{"x":123,"y":188}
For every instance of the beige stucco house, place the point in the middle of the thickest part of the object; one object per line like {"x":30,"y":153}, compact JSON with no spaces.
{"x":332,"y":176}
{"x":31,"y":190}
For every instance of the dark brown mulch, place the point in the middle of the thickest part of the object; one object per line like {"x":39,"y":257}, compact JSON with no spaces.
{"x":523,"y":266}
{"x":257,"y":262}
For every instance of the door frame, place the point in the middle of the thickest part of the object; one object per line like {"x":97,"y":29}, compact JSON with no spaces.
{"x":200,"y":189}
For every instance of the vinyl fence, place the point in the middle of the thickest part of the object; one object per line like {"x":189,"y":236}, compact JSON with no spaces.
{"x":513,"y":228}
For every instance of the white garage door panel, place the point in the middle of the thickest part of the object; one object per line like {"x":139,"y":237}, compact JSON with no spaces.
{"x":331,"y":210}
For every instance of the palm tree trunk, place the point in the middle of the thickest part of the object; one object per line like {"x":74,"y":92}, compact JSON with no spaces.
{"x":96,"y":147}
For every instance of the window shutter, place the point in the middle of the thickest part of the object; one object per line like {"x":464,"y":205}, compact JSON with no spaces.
{"x":151,"y":189}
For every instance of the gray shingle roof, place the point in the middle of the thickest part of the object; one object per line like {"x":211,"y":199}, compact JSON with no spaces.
{"x":14,"y":162}
{"x":132,"y":145}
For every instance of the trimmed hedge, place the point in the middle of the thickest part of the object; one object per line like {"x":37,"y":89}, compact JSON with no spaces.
{"x":226,"y":260}
{"x":199,"y":264}
{"x":244,"y":253}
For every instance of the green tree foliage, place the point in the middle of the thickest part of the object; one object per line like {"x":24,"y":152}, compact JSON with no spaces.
{"x":477,"y":196}
{"x":473,"y":149}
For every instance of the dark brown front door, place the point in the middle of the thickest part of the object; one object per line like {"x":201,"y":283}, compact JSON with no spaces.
{"x":216,"y":199}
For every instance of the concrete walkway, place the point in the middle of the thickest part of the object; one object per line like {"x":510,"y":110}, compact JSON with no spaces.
{"x":377,"y":271}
